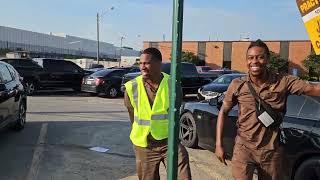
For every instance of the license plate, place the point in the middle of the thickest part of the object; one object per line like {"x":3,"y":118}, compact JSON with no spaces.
{"x":89,"y":82}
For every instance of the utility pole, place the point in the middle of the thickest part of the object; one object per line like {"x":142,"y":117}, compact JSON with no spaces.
{"x":98,"y":53}
{"x":175,"y":94}
{"x":98,"y":24}
{"x":121,"y":38}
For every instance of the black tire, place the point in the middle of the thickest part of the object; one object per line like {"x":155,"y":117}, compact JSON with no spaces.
{"x":30,"y":87}
{"x":21,"y":120}
{"x":188,"y":131}
{"x":93,"y":94}
{"x":112,"y":92}
{"x":309,"y":169}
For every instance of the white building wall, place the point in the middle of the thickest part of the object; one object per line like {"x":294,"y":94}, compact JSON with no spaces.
{"x":33,"y":41}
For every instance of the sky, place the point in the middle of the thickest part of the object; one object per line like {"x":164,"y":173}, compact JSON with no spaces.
{"x":151,"y":20}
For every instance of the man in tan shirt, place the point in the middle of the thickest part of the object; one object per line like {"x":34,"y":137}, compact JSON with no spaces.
{"x":258,"y":146}
{"x":149,"y":158}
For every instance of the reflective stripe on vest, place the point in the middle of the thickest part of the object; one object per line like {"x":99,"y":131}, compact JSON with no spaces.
{"x":142,"y":122}
{"x":135,"y":91}
{"x":153,"y":117}
{"x":159,"y":116}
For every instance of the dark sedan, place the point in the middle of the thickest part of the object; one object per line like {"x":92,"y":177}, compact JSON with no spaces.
{"x":216,"y":87}
{"x":13,"y":100}
{"x":107,"y":81}
{"x":300,"y":132}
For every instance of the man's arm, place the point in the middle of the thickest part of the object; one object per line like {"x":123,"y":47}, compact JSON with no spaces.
{"x":228,"y":102}
{"x":312,"y":90}
{"x":129,"y":106}
{"x":297,"y":86}
{"x":223,"y":115}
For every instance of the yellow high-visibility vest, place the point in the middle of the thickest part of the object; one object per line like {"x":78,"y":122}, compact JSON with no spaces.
{"x":147,"y":119}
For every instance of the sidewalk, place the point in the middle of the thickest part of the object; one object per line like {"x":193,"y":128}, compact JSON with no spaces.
{"x":204,"y":166}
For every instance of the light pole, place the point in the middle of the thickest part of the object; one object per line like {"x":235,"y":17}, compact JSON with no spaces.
{"x":98,"y":24}
{"x":121,"y":38}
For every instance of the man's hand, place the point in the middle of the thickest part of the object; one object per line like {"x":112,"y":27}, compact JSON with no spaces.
{"x":220,"y":154}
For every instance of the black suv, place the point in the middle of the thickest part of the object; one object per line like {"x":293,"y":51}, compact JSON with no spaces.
{"x":13,"y":101}
{"x":48,"y":73}
{"x":191,"y":80}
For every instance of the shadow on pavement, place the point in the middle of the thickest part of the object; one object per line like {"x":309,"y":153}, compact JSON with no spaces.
{"x":65,"y":151}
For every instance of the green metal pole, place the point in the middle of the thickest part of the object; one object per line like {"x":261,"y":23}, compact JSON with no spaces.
{"x":175,"y":92}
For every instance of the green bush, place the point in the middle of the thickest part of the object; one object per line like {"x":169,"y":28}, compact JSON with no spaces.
{"x":278,"y":63}
{"x":312,"y":64}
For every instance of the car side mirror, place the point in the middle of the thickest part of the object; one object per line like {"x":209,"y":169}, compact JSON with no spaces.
{"x":20,"y":78}
{"x":213,"y":101}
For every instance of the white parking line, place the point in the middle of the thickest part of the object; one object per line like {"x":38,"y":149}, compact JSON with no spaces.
{"x":38,"y":153}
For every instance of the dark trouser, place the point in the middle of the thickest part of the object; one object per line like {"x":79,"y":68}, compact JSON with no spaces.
{"x":148,"y":161}
{"x":267,"y":162}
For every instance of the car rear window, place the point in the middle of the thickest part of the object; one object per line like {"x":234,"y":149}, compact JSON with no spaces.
{"x":294,"y":104}
{"x":103,"y":72}
{"x":310,"y":109}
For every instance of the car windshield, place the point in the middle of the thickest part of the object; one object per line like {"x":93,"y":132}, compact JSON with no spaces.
{"x":103,"y":72}
{"x":224,"y":79}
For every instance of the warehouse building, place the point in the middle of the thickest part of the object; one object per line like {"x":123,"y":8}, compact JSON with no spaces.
{"x":59,"y":44}
{"x":232,"y":54}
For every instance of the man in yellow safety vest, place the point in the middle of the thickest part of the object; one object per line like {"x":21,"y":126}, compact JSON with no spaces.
{"x":147,"y":100}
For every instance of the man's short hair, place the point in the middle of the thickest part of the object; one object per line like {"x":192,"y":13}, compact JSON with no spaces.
{"x":154,"y":52}
{"x":260,"y":43}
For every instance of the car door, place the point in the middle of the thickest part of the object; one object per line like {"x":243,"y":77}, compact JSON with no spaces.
{"x":7,"y":110}
{"x":53,"y":73}
{"x":73,"y":74}
{"x":116,"y":78}
{"x":206,"y":127}
{"x":190,"y":80}
{"x":16,"y":88}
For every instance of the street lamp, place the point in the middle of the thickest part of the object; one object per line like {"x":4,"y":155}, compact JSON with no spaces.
{"x":98,"y":24}
{"x":121,"y":38}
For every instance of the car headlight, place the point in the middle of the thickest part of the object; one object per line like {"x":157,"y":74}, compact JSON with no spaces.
{"x":209,"y":94}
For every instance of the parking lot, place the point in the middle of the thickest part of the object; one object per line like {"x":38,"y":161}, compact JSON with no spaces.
{"x":61,"y":128}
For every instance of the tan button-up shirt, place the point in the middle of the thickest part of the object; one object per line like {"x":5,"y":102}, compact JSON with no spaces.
{"x":274,"y":92}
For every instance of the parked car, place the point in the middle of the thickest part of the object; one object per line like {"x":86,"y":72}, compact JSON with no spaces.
{"x":203,"y":69}
{"x":95,"y":67}
{"x":219,"y":72}
{"x":130,"y":69}
{"x":191,"y":80}
{"x":300,"y":132}
{"x":216,"y":87}
{"x":48,"y":73}
{"x":13,"y":100}
{"x":107,"y":81}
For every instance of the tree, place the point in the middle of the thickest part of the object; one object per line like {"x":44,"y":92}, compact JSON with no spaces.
{"x":312,"y":64}
{"x":278,"y":63}
{"x":187,"y":56}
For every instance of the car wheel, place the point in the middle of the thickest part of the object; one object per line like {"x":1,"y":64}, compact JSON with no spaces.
{"x":93,"y":94}
{"x":112,"y":92}
{"x":30,"y":88}
{"x":21,"y":121}
{"x":309,"y":169}
{"x":188,"y":130}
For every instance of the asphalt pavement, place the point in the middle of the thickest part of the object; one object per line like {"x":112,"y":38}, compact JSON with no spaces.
{"x":62,"y":127}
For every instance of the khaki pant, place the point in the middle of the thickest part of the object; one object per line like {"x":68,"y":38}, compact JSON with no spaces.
{"x":148,"y":161}
{"x":267,"y":162}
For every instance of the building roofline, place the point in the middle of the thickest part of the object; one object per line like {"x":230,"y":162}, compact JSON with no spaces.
{"x":230,"y":41}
